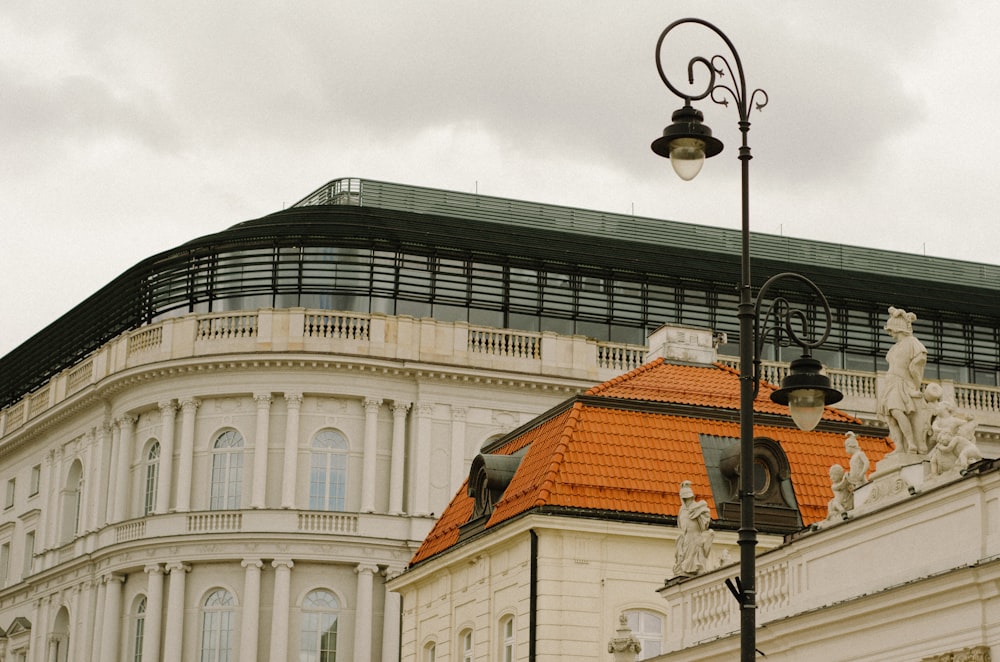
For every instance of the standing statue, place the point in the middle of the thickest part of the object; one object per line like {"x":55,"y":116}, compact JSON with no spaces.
{"x":695,"y":540}
{"x":901,"y":398}
{"x":843,"y":493}
{"x":858,"y":473}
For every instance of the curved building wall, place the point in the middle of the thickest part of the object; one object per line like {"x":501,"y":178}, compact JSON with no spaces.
{"x":218,"y":477}
{"x":372,"y":247}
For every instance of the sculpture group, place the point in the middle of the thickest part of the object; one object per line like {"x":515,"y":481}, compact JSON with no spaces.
{"x":922,"y":426}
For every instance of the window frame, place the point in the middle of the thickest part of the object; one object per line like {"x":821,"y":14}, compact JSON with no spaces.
{"x":644,"y":636}
{"x":508,"y":638}
{"x":226,"y":476}
{"x":151,"y":477}
{"x":218,"y":625}
{"x":323,"y":617}
{"x":330,"y":462}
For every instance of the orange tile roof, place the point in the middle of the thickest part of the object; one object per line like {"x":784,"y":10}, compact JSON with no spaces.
{"x":603,"y":457}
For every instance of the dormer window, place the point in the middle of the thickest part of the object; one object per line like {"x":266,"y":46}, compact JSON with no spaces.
{"x":774,"y":500}
{"x":489,"y":477}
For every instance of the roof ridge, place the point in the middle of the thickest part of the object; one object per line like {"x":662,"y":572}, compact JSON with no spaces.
{"x":631,"y":374}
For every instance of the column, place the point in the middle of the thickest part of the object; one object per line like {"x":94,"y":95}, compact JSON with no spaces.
{"x":113,"y":487}
{"x":168,"y":415}
{"x":98,"y":477}
{"x":173,"y":634}
{"x":89,"y":489}
{"x":42,"y":623}
{"x":48,"y":488}
{"x":99,"y":606}
{"x":368,"y":461}
{"x":55,"y":489}
{"x":293,"y":402}
{"x":154,"y":614}
{"x":110,"y":434}
{"x":111,"y":633}
{"x":249,"y":630}
{"x":88,"y":617}
{"x":363,"y":613}
{"x":279,"y":610}
{"x":398,"y":459}
{"x":126,"y":433}
{"x":75,"y":600}
{"x":104,"y":438}
{"x":458,"y":471}
{"x":390,"y":619}
{"x":420,"y":482}
{"x":260,"y":449}
{"x":185,"y":462}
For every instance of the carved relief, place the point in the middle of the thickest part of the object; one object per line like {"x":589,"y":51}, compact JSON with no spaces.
{"x":973,"y":654}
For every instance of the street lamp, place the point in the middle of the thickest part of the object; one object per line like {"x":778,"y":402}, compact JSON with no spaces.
{"x":687,"y":142}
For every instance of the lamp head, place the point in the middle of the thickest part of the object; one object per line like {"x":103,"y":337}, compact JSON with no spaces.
{"x":805,"y":390}
{"x":687,"y":142}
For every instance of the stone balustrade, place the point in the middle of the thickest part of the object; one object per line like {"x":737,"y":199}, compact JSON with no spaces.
{"x":189,"y":526}
{"x":544,"y":355}
{"x":882,"y":551}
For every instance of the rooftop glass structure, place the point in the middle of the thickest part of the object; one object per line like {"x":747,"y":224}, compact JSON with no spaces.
{"x":367,"y":246}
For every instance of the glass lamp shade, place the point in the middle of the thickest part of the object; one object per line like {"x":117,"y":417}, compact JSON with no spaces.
{"x":806,"y":391}
{"x":806,"y":407}
{"x":687,"y":156}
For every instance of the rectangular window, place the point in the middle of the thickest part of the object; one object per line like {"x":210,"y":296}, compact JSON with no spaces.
{"x":36,"y":479}
{"x":11,"y":491}
{"x":4,"y":563}
{"x":29,"y":552}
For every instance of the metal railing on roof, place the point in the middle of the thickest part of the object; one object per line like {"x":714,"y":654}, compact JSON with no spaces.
{"x":422,"y":200}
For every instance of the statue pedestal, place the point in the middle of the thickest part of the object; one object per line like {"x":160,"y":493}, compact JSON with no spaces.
{"x":897,"y":477}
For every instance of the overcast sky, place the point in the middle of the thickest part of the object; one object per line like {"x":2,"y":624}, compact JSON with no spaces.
{"x":128,"y":128}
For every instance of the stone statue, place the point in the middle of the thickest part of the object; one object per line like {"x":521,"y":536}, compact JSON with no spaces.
{"x":843,"y":493}
{"x":901,"y":398}
{"x":954,"y":438}
{"x":695,"y":540}
{"x":858,"y":473}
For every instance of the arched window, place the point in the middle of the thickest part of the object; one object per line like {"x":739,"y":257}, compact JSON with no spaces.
{"x":71,"y":498}
{"x":508,"y":639}
{"x":217,"y":626}
{"x":59,"y":639}
{"x":430,"y":650}
{"x":328,"y":471}
{"x":647,"y":627}
{"x":465,"y":645}
{"x":152,"y":473}
{"x":227,"y":471}
{"x":320,"y":611}
{"x":138,"y":628}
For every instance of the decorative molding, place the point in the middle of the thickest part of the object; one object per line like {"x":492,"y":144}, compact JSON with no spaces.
{"x":974,"y":654}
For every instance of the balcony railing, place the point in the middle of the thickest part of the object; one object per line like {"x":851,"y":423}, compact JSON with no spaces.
{"x":549,"y":355}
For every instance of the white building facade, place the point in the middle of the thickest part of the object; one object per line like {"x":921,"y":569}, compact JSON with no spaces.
{"x":229,"y":450}
{"x":228,"y":487}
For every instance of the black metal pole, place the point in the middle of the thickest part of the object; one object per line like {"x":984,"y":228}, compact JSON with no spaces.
{"x":748,"y":532}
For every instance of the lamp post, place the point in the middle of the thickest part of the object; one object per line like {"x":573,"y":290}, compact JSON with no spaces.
{"x":687,"y":142}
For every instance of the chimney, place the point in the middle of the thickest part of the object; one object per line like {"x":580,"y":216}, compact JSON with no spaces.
{"x":684,"y":344}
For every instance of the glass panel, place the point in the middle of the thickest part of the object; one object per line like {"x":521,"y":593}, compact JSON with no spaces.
{"x":524,"y":290}
{"x":557,"y":294}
